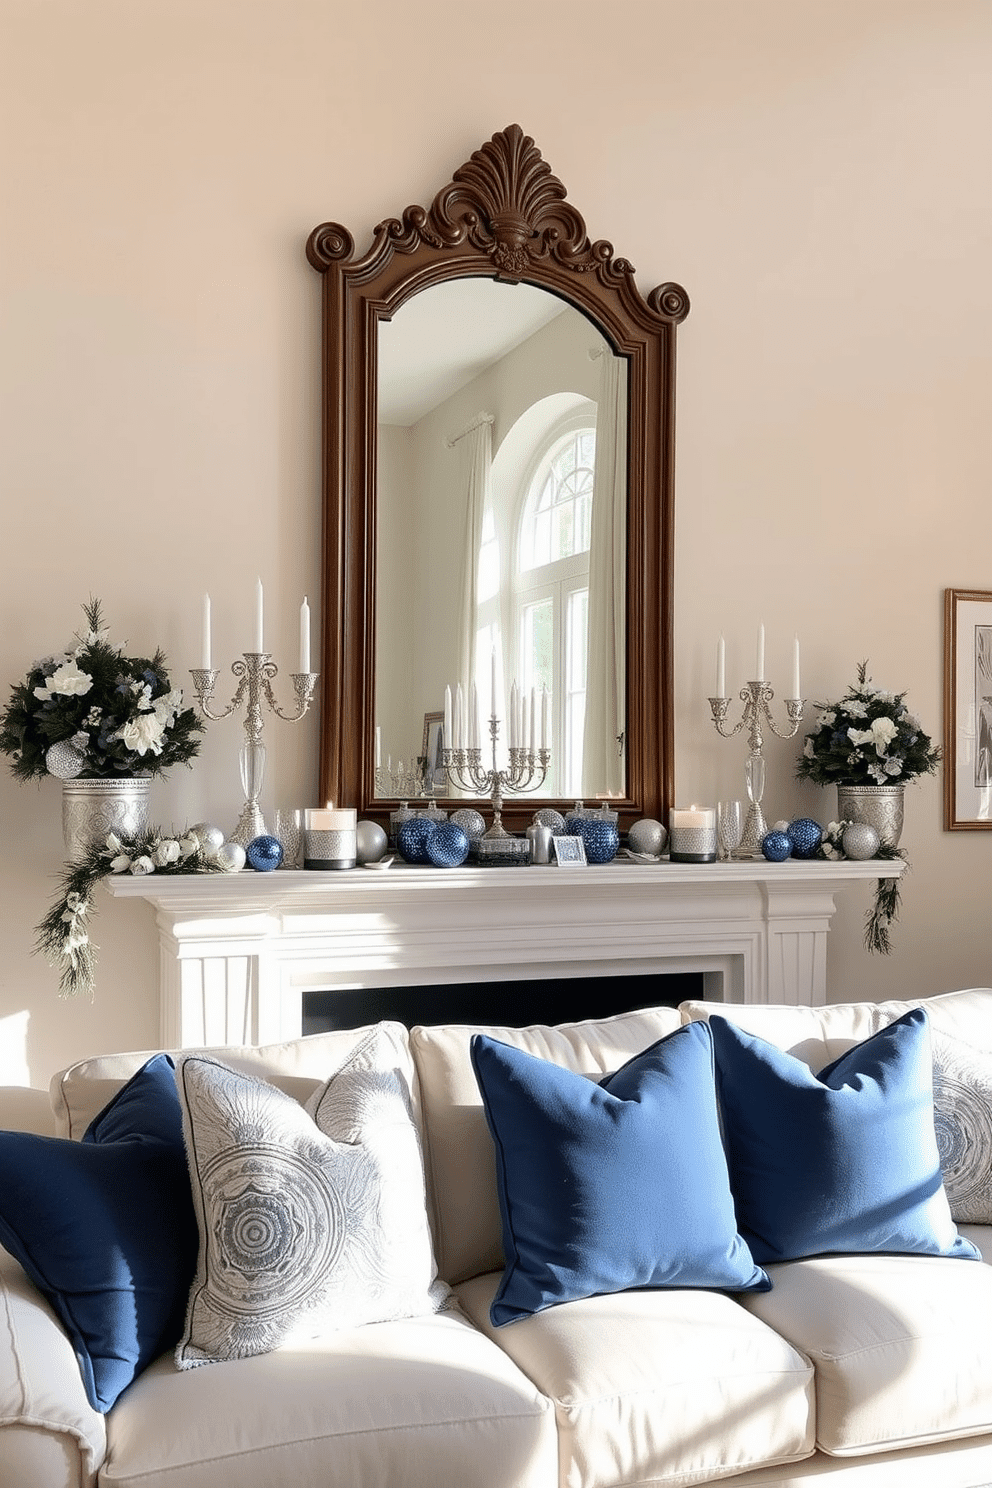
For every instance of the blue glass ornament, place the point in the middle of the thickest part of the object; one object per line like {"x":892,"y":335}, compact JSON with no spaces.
{"x":413,"y":837}
{"x":805,"y":836}
{"x":599,"y":833}
{"x":448,"y":847}
{"x":776,"y":846}
{"x":264,"y":853}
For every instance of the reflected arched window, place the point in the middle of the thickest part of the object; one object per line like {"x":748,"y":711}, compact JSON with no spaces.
{"x":550,"y":588}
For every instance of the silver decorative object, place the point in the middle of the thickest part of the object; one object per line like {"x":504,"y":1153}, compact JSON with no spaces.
{"x":254,"y":671}
{"x":526,"y":771}
{"x":881,"y":806}
{"x":91,"y":809}
{"x":859,"y":841}
{"x":756,"y":697}
{"x":472,"y":822}
{"x":371,"y":842}
{"x":648,"y":837}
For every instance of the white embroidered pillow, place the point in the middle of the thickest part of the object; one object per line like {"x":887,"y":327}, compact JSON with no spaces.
{"x":310,"y":1219}
{"x":962,"y":1108}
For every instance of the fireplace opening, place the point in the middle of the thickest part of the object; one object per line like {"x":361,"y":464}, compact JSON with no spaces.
{"x":512,"y":1004}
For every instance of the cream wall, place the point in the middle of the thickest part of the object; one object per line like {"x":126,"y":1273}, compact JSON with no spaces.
{"x":815,"y":172}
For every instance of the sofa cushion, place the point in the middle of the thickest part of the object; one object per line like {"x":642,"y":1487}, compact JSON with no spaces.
{"x":658,"y":1387}
{"x":105,"y":1228}
{"x":461,"y":1165}
{"x":902,"y":1346}
{"x":297,"y":1066}
{"x":845,"y":1160}
{"x":424,"y":1402}
{"x":818,"y":1035}
{"x":310,"y":1219}
{"x":962,"y":1104}
{"x":611,"y":1184}
{"x":49,"y":1432}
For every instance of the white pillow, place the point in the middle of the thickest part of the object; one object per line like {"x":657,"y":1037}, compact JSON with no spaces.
{"x":962,"y":1108}
{"x":311,"y":1219}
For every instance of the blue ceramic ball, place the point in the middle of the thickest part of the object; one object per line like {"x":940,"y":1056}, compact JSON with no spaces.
{"x":805,"y":836}
{"x":776,"y":846}
{"x":413,"y":837}
{"x":600,"y":835}
{"x":448,"y":847}
{"x":264,"y":853}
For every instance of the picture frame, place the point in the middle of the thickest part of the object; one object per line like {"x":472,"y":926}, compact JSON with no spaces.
{"x":435,"y":775}
{"x":570,"y":852}
{"x":967,"y":710}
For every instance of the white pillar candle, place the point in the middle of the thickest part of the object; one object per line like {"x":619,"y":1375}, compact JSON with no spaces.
{"x":759,"y":675}
{"x":205,"y":658}
{"x":524,"y":719}
{"x":533,"y":720}
{"x":795,"y":693}
{"x":493,"y":710}
{"x":259,"y":646}
{"x":721,"y":668}
{"x":546,"y":720}
{"x":511,"y":722}
{"x":473,"y":718}
{"x":304,"y":635}
{"x":378,"y":747}
{"x":459,"y":715}
{"x":447,"y":744}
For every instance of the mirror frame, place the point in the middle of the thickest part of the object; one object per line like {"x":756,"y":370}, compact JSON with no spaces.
{"x":502,"y":216}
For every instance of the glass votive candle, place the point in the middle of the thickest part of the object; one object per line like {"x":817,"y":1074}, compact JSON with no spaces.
{"x":330,"y":839}
{"x":692,"y":834}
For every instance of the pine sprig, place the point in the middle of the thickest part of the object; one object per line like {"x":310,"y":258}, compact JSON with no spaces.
{"x":63,"y":935}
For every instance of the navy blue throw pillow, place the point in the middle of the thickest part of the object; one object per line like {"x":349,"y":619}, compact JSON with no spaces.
{"x":611,"y":1185}
{"x":844,"y":1161}
{"x":105,"y":1228}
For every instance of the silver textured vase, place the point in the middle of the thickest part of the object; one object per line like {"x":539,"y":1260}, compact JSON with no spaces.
{"x":881,"y":806}
{"x":93,"y":808}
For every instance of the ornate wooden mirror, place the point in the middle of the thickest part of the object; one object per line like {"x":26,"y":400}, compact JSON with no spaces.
{"x":502,"y":254}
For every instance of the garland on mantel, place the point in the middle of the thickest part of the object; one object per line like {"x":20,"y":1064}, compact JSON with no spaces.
{"x":63,"y":936}
{"x":885,"y":909}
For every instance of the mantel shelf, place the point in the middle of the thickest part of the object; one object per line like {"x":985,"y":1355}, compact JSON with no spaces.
{"x":238,"y":952}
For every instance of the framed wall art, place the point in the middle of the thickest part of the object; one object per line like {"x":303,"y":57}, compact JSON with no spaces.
{"x":967,"y":710}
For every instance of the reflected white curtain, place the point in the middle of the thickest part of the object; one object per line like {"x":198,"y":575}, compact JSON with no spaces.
{"x":476,"y":442}
{"x":605,"y":721}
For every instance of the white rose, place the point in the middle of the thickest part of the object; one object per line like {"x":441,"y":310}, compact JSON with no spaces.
{"x":142,"y":865}
{"x":66,"y":681}
{"x":141,"y":734}
{"x":165,"y":853}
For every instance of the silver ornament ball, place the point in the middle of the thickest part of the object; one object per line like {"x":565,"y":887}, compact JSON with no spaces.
{"x":860,"y":841}
{"x":64,"y":760}
{"x":230,"y":856}
{"x":371,"y":842}
{"x":647,"y":836}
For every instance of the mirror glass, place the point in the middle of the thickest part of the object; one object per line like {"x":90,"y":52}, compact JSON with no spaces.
{"x":500,"y":533}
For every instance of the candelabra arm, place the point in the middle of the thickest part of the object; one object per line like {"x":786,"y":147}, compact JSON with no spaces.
{"x":204,"y":682}
{"x":303,"y":685}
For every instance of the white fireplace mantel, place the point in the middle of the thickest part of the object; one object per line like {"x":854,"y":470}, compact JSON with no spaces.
{"x":239,"y":952}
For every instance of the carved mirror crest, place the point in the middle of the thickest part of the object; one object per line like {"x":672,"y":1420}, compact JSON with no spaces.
{"x":544,"y":551}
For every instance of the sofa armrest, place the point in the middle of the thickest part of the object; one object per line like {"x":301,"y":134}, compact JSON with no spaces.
{"x":50,"y":1436}
{"x":23,"y":1108}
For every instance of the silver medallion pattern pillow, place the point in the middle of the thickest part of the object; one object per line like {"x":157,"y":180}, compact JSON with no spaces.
{"x":310,"y":1219}
{"x":962,"y":1106}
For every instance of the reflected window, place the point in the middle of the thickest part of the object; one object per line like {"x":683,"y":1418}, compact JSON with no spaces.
{"x":550,"y":590}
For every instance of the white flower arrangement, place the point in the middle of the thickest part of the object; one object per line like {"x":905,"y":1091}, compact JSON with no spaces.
{"x":869,"y":737}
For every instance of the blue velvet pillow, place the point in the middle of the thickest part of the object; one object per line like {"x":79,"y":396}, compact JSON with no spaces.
{"x":105,"y":1228}
{"x":842,"y":1161}
{"x":604,"y":1187}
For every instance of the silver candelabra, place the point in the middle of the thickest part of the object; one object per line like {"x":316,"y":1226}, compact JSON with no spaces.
{"x":756,"y":697}
{"x":404,"y":783}
{"x":254,"y":671}
{"x":526,"y":771}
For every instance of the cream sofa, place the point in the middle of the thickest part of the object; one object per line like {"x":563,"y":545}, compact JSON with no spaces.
{"x":874,"y":1371}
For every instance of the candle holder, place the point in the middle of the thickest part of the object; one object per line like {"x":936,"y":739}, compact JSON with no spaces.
{"x":254,"y":671}
{"x":404,"y":784}
{"x":756,"y":697}
{"x":527,"y":770}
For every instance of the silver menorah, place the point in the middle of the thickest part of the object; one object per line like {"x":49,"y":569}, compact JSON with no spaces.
{"x":527,"y":770}
{"x":756,"y":697}
{"x":254,"y":671}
